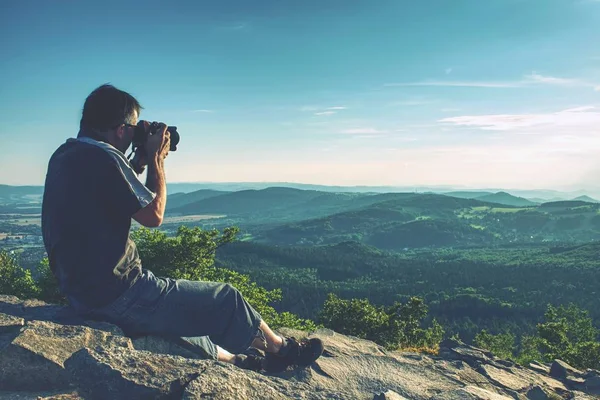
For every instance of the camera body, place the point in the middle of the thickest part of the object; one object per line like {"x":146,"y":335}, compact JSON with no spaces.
{"x":140,"y":136}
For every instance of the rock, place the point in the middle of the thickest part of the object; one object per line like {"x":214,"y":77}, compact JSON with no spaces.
{"x":575,"y":383}
{"x":47,"y":348}
{"x":536,"y":366}
{"x":34,"y":360}
{"x":123,"y":373}
{"x":29,"y":309}
{"x":364,"y":375}
{"x":223,"y":382}
{"x":592,"y":384}
{"x":591,"y":372}
{"x":561,"y":370}
{"x":537,"y":393}
{"x":8,"y":323}
{"x":470,"y":393}
{"x":158,"y":345}
{"x":389,"y":395}
{"x":503,"y":378}
{"x":63,"y":396}
{"x":468,"y":354}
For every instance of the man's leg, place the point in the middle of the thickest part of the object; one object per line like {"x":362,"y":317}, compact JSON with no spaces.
{"x":283,"y":352}
{"x":272,"y":342}
{"x":225,"y":356}
{"x":192,"y":309}
{"x":188,"y":310}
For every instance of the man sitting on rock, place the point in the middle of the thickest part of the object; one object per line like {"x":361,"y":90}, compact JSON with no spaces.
{"x":91,"y":194}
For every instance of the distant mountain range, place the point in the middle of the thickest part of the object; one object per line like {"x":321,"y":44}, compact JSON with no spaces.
{"x":8,"y":192}
{"x":199,"y":191}
{"x":389,"y":221}
{"x":586,"y":199}
{"x":500,"y":198}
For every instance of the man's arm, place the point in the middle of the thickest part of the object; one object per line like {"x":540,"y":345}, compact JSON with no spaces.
{"x":157,"y":149}
{"x":152,"y":215}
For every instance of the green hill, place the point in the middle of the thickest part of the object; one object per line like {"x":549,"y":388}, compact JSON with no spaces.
{"x":248,"y":201}
{"x":21,"y":194}
{"x":427,"y":233}
{"x":402,"y":220}
{"x":506,"y":199}
{"x":277,"y":204}
{"x":349,"y":225}
{"x":565,"y":204}
{"x":467,"y":195}
{"x":587,"y":199}
{"x":181,"y":199}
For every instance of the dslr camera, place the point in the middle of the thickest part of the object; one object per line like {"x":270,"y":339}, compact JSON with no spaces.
{"x":142,"y":130}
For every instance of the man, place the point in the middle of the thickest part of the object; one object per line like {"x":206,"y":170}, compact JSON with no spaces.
{"x":91,"y":194}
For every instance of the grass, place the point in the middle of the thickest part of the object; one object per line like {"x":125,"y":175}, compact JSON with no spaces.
{"x":189,"y":218}
{"x":23,"y":221}
{"x":478,"y":227}
{"x":245,"y":238}
{"x":498,"y":209}
{"x":507,"y":210}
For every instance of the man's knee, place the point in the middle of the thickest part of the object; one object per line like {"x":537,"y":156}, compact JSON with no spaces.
{"x":228,"y":293}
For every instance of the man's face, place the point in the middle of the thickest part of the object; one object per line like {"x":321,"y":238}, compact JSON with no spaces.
{"x":125,"y":133}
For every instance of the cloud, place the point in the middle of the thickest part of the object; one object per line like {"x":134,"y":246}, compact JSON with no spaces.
{"x":203,"y":111}
{"x":233,"y":27}
{"x":411,"y":103}
{"x":448,"y":71}
{"x":363,"y":131}
{"x":322,"y":110}
{"x":532,"y":79}
{"x":581,"y":117}
{"x":480,"y":84}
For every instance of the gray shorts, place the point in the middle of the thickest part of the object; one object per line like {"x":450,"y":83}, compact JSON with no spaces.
{"x":203,"y":314}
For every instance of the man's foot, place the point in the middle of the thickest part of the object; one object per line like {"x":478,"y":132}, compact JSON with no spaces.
{"x":251,"y":362}
{"x":301,"y":353}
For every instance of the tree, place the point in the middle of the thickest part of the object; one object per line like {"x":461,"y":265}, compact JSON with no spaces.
{"x":47,"y":284}
{"x":501,"y":345}
{"x":396,"y":326}
{"x":15,"y":280}
{"x":568,"y":334}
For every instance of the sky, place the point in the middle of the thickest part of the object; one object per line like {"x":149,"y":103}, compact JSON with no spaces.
{"x":462,"y":93}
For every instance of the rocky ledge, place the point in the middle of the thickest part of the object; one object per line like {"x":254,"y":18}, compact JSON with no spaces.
{"x":46,"y":353}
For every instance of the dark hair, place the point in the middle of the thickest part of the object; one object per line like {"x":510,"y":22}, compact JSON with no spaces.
{"x":106,"y":107}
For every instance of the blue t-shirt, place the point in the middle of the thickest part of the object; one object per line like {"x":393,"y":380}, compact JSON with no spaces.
{"x":90,"y":195}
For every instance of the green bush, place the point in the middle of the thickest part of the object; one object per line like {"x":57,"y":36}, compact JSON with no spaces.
{"x":501,"y":345}
{"x":15,"y":280}
{"x":567,"y":334}
{"x":396,"y":326}
{"x":47,"y":284}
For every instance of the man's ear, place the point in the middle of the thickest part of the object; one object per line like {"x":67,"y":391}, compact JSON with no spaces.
{"x":120,"y":132}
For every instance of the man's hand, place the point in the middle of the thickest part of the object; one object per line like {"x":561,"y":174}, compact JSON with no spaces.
{"x":158,"y":144}
{"x":139,"y":161}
